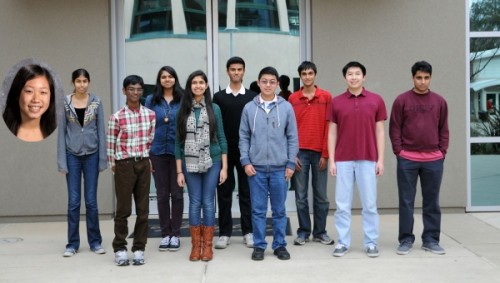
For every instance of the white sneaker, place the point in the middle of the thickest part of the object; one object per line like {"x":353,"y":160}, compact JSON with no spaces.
{"x":138,"y":257}
{"x":222,"y":242}
{"x":164,"y":244}
{"x":248,"y":240}
{"x":121,"y":258}
{"x":69,"y":252}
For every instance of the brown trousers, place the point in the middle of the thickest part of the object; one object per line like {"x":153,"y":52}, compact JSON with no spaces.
{"x":132,"y":179}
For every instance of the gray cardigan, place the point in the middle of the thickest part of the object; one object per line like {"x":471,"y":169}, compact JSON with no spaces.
{"x":81,"y":140}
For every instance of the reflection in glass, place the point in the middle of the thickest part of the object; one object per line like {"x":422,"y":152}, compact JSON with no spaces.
{"x":164,"y":32}
{"x":484,"y":15}
{"x":485,"y":86}
{"x":273,"y":24}
{"x":485,"y":176}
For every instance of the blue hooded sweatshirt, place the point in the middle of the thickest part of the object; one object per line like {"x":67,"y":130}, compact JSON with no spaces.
{"x":268,"y":141}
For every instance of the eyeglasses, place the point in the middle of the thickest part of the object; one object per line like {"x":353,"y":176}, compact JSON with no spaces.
{"x":271,"y":82}
{"x":137,"y":90}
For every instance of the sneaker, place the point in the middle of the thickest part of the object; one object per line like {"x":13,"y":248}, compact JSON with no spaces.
{"x":248,"y":240}
{"x":324,"y":239}
{"x":300,"y":240}
{"x":433,"y":247}
{"x":138,"y":257}
{"x":340,"y":250}
{"x":371,"y":251}
{"x":404,"y":248}
{"x":164,"y":244}
{"x":282,"y":253}
{"x":258,"y":254}
{"x":175,"y":244}
{"x":222,"y":242}
{"x":98,"y":250}
{"x":121,"y":258}
{"x":69,"y":252}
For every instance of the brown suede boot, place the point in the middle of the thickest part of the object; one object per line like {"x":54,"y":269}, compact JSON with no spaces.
{"x":206,"y":243}
{"x":195,"y":242}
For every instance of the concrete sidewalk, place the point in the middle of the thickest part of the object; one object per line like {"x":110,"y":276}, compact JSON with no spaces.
{"x":472,"y":243}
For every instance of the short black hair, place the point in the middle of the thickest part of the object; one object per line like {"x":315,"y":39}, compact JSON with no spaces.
{"x":269,"y":71}
{"x":353,"y":64}
{"x":132,"y":80}
{"x":307,"y":65}
{"x":235,"y":60}
{"x":422,"y":66}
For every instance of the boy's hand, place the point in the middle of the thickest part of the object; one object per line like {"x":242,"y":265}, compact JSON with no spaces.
{"x":288,"y":174}
{"x":249,"y":170}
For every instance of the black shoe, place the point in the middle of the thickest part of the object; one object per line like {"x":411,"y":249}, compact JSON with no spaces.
{"x":282,"y":253}
{"x":258,"y":254}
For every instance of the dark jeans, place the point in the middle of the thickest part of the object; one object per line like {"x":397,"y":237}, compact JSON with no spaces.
{"x":132,"y":179}
{"x":88,"y":165}
{"x":430,"y":174}
{"x":225,"y":199}
{"x":300,"y":182}
{"x":167,"y":190}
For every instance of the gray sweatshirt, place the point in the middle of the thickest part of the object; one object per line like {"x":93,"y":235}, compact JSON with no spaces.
{"x":268,"y":141}
{"x":81,"y":139}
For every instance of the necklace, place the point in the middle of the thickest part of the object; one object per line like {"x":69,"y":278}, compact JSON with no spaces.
{"x":167,"y":114}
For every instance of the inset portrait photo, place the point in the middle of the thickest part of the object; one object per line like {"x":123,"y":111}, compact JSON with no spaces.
{"x":28,"y":100}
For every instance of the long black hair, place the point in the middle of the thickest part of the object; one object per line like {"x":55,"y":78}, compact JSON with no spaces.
{"x":158,"y":90}
{"x":12,"y":112}
{"x":187,"y":106}
{"x":77,"y":73}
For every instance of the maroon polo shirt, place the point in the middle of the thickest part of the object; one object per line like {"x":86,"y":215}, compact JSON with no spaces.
{"x":355,"y":117}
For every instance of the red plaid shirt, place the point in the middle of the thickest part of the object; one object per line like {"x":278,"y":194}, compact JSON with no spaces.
{"x":130,"y":133}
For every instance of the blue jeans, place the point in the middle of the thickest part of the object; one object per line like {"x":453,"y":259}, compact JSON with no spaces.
{"x":201,"y":191}
{"x":431,"y":174}
{"x":88,"y":165}
{"x":300,"y":182}
{"x":363,"y":173}
{"x":274,"y":185}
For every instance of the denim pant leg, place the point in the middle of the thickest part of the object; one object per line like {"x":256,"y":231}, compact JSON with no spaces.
{"x":321,"y":205}
{"x":344,"y":190}
{"x":201,"y":190}
{"x":194,"y":187}
{"x":407,"y":176}
{"x":278,"y":188}
{"x":259,"y":188}
{"x":300,"y":182}
{"x":225,"y":201}
{"x":366,"y":179}
{"x":74,"y":181}
{"x":430,"y":179}
{"x":209,"y":185}
{"x":90,"y":177}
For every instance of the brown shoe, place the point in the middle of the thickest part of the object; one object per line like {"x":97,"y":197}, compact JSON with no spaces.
{"x":206,"y":243}
{"x":195,"y":242}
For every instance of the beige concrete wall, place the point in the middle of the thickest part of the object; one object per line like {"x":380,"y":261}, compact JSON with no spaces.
{"x":388,"y":36}
{"x":66,"y":34}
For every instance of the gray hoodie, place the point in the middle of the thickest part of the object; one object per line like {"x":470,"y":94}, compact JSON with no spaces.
{"x":268,"y":141}
{"x":81,"y":140}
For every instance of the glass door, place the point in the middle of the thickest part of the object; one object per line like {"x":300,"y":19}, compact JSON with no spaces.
{"x":202,"y":34}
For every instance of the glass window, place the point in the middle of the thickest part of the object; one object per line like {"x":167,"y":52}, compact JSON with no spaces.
{"x":484,"y":86}
{"x":485,"y":176}
{"x":484,"y":15}
{"x":195,"y":15}
{"x":152,"y":16}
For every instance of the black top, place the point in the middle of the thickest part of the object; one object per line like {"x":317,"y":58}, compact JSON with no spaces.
{"x":80,"y":112}
{"x":231,"y":108}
